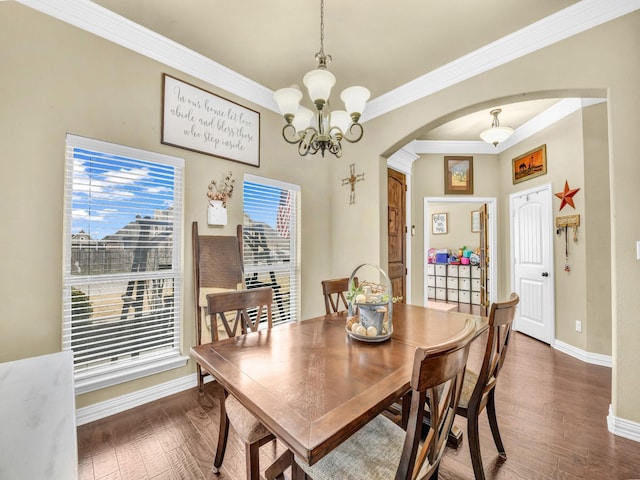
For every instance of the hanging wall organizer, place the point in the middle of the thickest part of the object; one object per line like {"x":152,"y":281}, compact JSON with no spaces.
{"x":562,"y":226}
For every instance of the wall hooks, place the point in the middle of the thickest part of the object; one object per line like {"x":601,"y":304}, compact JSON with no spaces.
{"x":562,"y":225}
{"x":568,"y":221}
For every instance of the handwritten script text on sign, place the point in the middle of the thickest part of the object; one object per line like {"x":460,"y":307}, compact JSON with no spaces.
{"x":201,"y":121}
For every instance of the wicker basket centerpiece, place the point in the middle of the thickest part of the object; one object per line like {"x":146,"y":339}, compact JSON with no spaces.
{"x":370,"y":307}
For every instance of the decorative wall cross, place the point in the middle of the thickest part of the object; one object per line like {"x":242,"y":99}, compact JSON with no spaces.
{"x":351,"y":180}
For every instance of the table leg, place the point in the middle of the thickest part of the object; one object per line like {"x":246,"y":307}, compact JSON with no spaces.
{"x":454,"y":439}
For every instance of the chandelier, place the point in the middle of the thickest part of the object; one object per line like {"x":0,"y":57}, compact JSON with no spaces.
{"x":321,"y":129}
{"x":496,"y":133}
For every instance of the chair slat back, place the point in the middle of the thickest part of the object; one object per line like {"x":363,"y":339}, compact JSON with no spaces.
{"x":218,"y":259}
{"x":240,"y":302}
{"x":500,"y":321}
{"x":437,"y":376}
{"x":217,"y":263}
{"x":334,"y":292}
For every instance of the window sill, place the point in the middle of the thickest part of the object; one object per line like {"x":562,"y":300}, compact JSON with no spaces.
{"x":143,"y":368}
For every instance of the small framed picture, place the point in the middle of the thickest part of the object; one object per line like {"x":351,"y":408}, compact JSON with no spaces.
{"x":458,"y":175}
{"x":475,"y":221}
{"x":529,"y":165}
{"x":439,"y":223}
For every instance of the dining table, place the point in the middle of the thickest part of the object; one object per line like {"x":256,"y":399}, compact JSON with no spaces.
{"x":313,"y":385}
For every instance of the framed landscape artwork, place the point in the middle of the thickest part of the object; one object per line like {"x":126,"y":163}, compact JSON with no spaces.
{"x":458,"y":175}
{"x":529,"y":165}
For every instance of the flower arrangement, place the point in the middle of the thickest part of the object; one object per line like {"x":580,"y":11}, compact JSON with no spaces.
{"x":367,"y":292}
{"x":222,"y":192}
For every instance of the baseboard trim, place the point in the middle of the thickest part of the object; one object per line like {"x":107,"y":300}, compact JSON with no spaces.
{"x":588,"y":357}
{"x":623,"y":428}
{"x":112,"y":406}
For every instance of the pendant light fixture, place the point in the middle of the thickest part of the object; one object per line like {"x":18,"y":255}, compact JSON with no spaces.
{"x":496,"y":133}
{"x":322,"y":129}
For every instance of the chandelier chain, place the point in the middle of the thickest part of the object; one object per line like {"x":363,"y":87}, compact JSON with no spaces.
{"x":321,"y":57}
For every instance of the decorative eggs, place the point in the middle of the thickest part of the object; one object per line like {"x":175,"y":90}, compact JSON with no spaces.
{"x":354,"y":326}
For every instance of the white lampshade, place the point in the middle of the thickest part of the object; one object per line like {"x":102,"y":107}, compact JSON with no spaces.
{"x":302,"y":119}
{"x":319,"y":83}
{"x":355,"y":98}
{"x":340,"y":119}
{"x":496,"y":135}
{"x":288,"y":100}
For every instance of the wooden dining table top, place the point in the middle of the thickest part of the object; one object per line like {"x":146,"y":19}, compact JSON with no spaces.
{"x":312,"y":385}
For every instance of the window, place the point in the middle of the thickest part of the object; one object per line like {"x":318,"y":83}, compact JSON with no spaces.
{"x":122,"y":277}
{"x":270,"y":239}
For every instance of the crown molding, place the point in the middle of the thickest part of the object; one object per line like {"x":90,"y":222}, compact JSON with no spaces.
{"x":403,"y":159}
{"x":572,"y":20}
{"x":555,"y":113}
{"x":100,"y":21}
{"x":454,"y":147}
{"x":104,"y":23}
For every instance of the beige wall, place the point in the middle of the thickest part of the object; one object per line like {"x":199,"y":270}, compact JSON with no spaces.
{"x":57,"y":79}
{"x":428,"y":181}
{"x":564,"y":145}
{"x":602,"y":62}
{"x":566,"y":160}
{"x":66,"y":80}
{"x":459,"y":232}
{"x":596,"y":223}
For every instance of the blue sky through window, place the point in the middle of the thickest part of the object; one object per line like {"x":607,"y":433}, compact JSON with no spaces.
{"x":109,"y":191}
{"x":261,"y":203}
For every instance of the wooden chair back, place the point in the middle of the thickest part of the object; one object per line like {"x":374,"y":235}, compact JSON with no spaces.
{"x":239,"y":302}
{"x":501,"y":317}
{"x":217,"y":264}
{"x":437,"y":378}
{"x":334,"y":292}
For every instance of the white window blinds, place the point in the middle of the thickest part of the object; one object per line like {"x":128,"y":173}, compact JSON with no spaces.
{"x":122,"y":294}
{"x":270,"y":239}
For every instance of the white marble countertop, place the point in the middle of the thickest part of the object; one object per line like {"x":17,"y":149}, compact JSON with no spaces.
{"x":37,"y":418}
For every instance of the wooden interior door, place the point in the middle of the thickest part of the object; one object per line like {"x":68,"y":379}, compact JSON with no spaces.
{"x":397,"y":232}
{"x":484,"y":260}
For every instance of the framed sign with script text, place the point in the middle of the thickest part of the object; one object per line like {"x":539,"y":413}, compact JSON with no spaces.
{"x":197,"y":120}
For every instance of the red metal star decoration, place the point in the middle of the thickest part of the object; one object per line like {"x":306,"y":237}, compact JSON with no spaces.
{"x":567,"y":195}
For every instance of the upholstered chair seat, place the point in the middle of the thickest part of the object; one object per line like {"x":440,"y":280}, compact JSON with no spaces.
{"x":247,"y":426}
{"x":380,"y":435}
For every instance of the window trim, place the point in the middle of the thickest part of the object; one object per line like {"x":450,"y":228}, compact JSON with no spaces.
{"x":148,"y":364}
{"x":296,"y":240}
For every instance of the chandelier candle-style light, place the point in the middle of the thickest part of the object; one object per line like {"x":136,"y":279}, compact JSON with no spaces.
{"x":496,"y":133}
{"x":321,"y":129}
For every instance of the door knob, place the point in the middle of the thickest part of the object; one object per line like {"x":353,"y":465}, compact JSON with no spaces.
{"x":545,"y":274}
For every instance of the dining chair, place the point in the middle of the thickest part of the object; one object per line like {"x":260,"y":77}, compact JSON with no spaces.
{"x":217,"y":266}
{"x":478,"y":390}
{"x":334,"y":292}
{"x":384,"y":450}
{"x":241,"y":312}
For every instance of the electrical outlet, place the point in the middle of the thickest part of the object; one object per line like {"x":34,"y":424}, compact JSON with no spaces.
{"x":578,"y":326}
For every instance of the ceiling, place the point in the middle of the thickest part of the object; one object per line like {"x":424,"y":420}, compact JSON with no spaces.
{"x":372,"y":42}
{"x":274,"y":42}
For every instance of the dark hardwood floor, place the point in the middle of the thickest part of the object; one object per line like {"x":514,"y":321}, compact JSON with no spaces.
{"x":551,"y":409}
